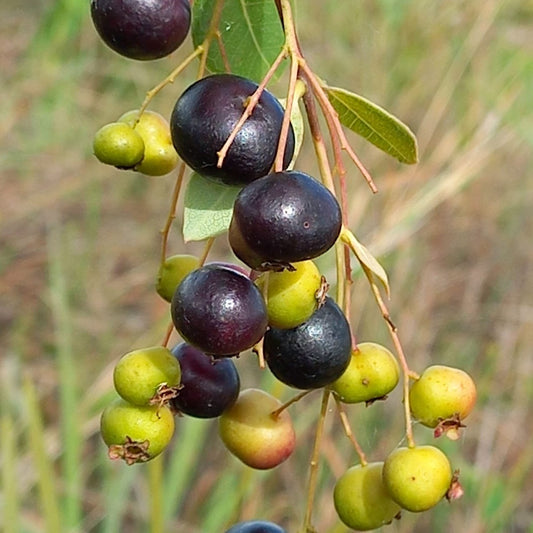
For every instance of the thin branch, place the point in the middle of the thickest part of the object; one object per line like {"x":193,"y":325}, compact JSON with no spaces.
{"x":348,"y":431}
{"x":393,"y":330}
{"x":252,"y":102}
{"x":172,"y":211}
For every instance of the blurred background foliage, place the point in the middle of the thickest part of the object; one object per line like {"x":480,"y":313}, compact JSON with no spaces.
{"x":79,"y":249}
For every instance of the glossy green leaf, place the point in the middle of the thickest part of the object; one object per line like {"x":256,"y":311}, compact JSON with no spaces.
{"x":250,"y":31}
{"x":208,"y":207}
{"x":374,"y":124}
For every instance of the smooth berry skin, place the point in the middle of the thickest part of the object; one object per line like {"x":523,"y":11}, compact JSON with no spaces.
{"x":253,"y":434}
{"x":119,"y":145}
{"x":373,"y":373}
{"x":142,"y":29}
{"x":440,"y":393}
{"x":361,"y":500}
{"x":314,"y":354}
{"x":291,"y":294}
{"x":159,"y":158}
{"x":172,"y":271}
{"x":138,"y":374}
{"x":208,"y":386}
{"x":219,"y":310}
{"x":282,"y":218}
{"x":256,"y":526}
{"x":417,"y":478}
{"x":204,"y":117}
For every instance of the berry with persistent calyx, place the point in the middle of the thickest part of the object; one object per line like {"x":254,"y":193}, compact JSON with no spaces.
{"x":118,"y":144}
{"x":254,"y":433}
{"x":146,"y":375}
{"x":361,"y":500}
{"x":442,"y":397}
{"x":136,"y":433}
{"x":208,"y":386}
{"x":291,"y":295}
{"x":160,"y":158}
{"x":172,"y":271}
{"x":282,"y":218}
{"x":373,"y":373}
{"x":314,"y":354}
{"x":219,"y":310}
{"x":417,"y":478}
{"x":142,"y":29}
{"x":204,"y":117}
{"x":256,"y":526}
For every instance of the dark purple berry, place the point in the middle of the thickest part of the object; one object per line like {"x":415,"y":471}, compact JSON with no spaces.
{"x":204,"y":117}
{"x":142,"y":29}
{"x":256,"y":526}
{"x":313,"y":354}
{"x":208,"y":386}
{"x":219,"y":310}
{"x":283,"y":218}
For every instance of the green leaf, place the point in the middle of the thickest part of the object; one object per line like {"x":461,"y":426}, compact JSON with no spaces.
{"x":297,"y":121}
{"x":374,"y":124}
{"x":368,"y":262}
{"x":208,"y":208}
{"x":251,"y":34}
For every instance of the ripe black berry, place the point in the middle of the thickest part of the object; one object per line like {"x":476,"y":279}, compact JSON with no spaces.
{"x":282,"y":218}
{"x":142,"y":29}
{"x":256,"y":526}
{"x":313,"y":354}
{"x":219,"y":310}
{"x":204,"y":117}
{"x":208,"y":386}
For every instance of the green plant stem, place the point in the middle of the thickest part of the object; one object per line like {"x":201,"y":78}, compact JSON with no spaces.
{"x":71,"y":435}
{"x":155,"y":484}
{"x":41,"y":461}
{"x":314,"y":464}
{"x":8,"y":447}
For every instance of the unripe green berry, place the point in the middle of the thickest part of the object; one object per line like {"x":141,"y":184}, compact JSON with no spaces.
{"x":361,"y":500}
{"x":441,"y":393}
{"x":291,"y":295}
{"x":372,"y":373}
{"x":172,"y":271}
{"x":160,"y":157}
{"x":138,"y":374}
{"x":417,"y":478}
{"x":136,"y":433}
{"x":118,"y":144}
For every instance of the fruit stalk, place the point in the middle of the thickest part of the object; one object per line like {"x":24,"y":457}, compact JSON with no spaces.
{"x":406,"y":373}
{"x":314,"y":464}
{"x":171,"y":212}
{"x":252,"y":102}
{"x":171,"y":77}
{"x":348,"y":431}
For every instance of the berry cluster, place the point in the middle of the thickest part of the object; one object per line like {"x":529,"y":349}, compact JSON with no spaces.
{"x":234,"y":133}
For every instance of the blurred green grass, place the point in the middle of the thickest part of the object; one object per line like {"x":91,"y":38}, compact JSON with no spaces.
{"x":80,"y":247}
